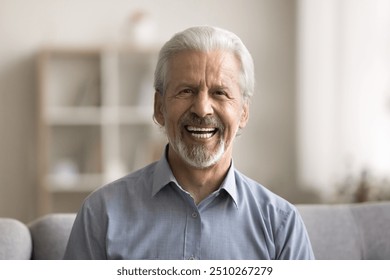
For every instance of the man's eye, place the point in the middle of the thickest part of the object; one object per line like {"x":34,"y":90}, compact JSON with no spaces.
{"x":186,"y":91}
{"x":220,"y":93}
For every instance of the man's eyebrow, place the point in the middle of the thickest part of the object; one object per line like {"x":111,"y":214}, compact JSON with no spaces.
{"x":184,"y":84}
{"x":221,"y":87}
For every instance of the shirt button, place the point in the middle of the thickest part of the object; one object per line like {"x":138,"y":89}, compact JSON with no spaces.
{"x":194,"y":215}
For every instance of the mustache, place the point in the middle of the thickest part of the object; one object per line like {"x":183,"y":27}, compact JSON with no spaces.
{"x":194,"y":119}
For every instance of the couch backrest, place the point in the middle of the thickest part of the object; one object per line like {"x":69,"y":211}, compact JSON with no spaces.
{"x":15,"y":240}
{"x":50,"y":235}
{"x":353,"y":231}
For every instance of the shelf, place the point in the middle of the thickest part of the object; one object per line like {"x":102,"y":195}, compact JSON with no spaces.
{"x":95,"y":119}
{"x":73,"y":116}
{"x":136,"y":115}
{"x":97,"y":116}
{"x":74,"y":182}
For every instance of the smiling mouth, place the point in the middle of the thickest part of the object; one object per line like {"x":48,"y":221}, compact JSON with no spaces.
{"x":201,"y":132}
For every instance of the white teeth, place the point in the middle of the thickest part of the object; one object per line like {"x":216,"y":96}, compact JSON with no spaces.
{"x":201,"y":129}
{"x":201,"y":132}
{"x":202,"y":136}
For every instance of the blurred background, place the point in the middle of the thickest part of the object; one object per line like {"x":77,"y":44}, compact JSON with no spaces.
{"x":76,"y":91}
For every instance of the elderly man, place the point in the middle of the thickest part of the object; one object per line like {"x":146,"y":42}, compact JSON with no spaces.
{"x":193,"y":203}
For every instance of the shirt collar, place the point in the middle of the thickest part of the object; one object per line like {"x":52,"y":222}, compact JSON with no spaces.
{"x":163,"y":176}
{"x":229,"y":184}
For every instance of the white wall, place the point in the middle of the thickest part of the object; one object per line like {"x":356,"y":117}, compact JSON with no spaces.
{"x":265,"y":151}
{"x":343,"y":92}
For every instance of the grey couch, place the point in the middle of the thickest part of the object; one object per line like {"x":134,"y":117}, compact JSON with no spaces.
{"x":352,"y":231}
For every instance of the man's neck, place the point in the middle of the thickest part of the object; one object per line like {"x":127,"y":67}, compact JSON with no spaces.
{"x":198,"y":182}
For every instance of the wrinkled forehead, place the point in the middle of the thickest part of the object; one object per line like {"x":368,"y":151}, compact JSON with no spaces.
{"x":198,"y":65}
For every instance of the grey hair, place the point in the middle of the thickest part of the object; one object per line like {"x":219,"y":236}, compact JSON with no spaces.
{"x":206,"y":39}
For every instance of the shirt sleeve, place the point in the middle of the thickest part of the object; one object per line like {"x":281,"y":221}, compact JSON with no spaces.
{"x":292,"y":239}
{"x":88,"y":235}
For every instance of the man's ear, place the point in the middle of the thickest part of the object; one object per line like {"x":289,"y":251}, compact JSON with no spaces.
{"x":158,"y":108}
{"x":244,"y":115}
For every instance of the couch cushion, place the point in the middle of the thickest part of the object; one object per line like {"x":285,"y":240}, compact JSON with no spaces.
{"x":15,"y":240}
{"x":50,"y":235}
{"x":373,"y":221}
{"x":333,"y":231}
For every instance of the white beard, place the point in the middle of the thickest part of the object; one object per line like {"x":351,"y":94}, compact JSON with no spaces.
{"x":198,"y":155}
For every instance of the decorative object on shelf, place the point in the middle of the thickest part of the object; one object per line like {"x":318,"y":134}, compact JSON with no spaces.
{"x":362,"y":188}
{"x":140,"y":30}
{"x":88,"y":94}
{"x":65,"y":172}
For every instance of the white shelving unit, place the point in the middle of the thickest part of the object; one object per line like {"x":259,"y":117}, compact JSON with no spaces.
{"x":95,"y":121}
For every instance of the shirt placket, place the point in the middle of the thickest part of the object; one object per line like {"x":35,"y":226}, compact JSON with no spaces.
{"x":193,"y":234}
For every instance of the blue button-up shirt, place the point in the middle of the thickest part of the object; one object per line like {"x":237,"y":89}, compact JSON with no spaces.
{"x":148,"y":215}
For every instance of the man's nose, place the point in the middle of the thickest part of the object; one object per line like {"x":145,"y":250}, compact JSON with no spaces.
{"x":202,"y":104}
